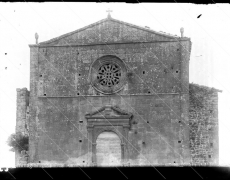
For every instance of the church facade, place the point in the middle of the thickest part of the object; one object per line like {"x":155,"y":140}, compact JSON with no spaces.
{"x":110,"y":94}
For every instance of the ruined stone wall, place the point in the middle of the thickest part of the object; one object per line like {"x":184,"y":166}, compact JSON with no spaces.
{"x":203,"y":120}
{"x":21,"y":118}
{"x":22,"y":110}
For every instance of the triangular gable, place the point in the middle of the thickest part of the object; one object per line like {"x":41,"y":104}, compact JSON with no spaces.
{"x":109,"y":112}
{"x":109,"y":30}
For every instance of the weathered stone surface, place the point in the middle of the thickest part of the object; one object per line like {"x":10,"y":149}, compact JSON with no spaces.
{"x":155,"y":92}
{"x":109,"y":30}
{"x":203,"y":121}
{"x":22,"y":117}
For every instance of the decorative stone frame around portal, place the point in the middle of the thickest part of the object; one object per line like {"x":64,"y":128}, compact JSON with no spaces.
{"x":111,"y":119}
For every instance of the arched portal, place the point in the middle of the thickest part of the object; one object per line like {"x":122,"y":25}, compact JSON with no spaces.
{"x":108,"y":119}
{"x":108,"y":149}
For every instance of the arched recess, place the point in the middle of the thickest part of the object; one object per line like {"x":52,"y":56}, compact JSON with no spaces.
{"x":108,"y":149}
{"x":108,"y":129}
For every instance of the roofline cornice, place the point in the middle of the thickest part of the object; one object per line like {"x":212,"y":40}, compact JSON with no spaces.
{"x":112,"y":43}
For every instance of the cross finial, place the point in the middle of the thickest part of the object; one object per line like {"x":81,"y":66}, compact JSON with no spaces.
{"x":109,"y":11}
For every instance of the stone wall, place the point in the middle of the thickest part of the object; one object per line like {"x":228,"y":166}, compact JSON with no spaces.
{"x":22,"y":117}
{"x":203,"y":116}
{"x":62,"y":89}
{"x":22,"y":111}
{"x":156,"y":92}
{"x":153,"y":139}
{"x":153,"y":67}
{"x":203,"y":120}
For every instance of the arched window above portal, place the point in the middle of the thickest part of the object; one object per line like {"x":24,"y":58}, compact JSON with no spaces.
{"x":108,"y":74}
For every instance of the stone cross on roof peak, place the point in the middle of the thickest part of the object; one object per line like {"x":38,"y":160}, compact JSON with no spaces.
{"x":109,"y":11}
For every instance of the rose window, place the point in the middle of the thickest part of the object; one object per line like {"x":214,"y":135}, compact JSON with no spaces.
{"x":109,"y":75}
